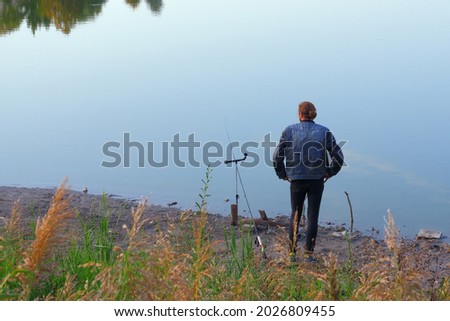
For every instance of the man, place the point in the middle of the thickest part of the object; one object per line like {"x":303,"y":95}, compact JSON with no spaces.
{"x":311,"y":156}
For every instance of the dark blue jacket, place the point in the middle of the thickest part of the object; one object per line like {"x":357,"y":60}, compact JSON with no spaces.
{"x":307,"y":151}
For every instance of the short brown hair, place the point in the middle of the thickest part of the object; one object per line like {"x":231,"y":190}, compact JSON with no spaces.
{"x":307,"y":109}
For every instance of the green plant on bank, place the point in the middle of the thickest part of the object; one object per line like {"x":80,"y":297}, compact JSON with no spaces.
{"x":348,"y":274}
{"x":184,"y":262}
{"x":10,"y":248}
{"x":240,"y":257}
{"x":202,"y":249}
{"x":244,"y":270}
{"x":35,"y":213}
{"x":84,"y":258}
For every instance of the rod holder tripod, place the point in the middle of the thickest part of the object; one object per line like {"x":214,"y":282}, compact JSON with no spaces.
{"x":235,"y":207}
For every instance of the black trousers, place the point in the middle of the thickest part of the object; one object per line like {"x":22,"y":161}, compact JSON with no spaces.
{"x":313,"y":188}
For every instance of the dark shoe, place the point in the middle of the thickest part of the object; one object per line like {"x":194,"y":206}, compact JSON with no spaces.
{"x":309,"y":258}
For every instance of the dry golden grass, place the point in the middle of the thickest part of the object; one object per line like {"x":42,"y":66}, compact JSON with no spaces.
{"x":444,"y":290}
{"x":67,"y":292}
{"x":12,"y":228}
{"x":49,"y":235}
{"x":329,"y":279}
{"x":202,"y":253}
{"x":113,"y":281}
{"x":393,"y":274}
{"x":245,"y":287}
{"x":395,"y":270}
{"x":180,"y":263}
{"x":12,"y":225}
{"x":143,"y":271}
{"x":293,"y":242}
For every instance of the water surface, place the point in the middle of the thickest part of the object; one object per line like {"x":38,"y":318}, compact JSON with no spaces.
{"x":77,"y":74}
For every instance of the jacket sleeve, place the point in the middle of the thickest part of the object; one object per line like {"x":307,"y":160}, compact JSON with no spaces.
{"x":278,"y":157}
{"x":336,"y":159}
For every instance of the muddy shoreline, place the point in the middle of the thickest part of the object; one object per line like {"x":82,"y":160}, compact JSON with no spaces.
{"x":34,"y":203}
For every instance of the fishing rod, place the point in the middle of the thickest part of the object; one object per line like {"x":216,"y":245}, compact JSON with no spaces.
{"x":238,"y":178}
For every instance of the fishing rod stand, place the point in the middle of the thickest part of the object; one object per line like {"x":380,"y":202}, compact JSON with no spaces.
{"x":234,"y":207}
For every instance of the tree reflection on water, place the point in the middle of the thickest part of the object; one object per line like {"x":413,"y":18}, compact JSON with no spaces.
{"x":63,"y":14}
{"x":154,"y":5}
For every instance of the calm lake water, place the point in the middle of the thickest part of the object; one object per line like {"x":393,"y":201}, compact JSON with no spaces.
{"x":75,"y":75}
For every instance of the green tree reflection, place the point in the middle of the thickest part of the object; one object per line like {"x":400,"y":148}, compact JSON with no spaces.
{"x":63,"y":14}
{"x":133,"y":3}
{"x":11,"y":16}
{"x":154,"y":5}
